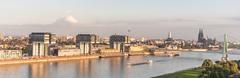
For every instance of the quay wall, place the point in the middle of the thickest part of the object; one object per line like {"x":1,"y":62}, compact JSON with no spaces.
{"x":82,"y":57}
{"x":46,"y":59}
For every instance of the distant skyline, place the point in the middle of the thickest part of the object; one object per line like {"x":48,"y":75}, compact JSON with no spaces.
{"x":145,"y":18}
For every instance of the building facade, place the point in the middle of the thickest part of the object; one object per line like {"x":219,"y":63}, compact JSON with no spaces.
{"x":68,"y":52}
{"x":10,"y":54}
{"x":40,"y":42}
{"x":169,"y":40}
{"x":118,"y":42}
{"x":85,"y":42}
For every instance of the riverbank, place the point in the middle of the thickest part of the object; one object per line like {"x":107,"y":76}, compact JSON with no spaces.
{"x":46,"y":59}
{"x":190,"y":73}
{"x":91,"y":68}
{"x":66,"y":58}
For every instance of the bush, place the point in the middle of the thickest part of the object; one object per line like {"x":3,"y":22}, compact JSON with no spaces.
{"x":233,"y":66}
{"x":219,"y":70}
{"x":216,"y":71}
{"x":207,"y":63}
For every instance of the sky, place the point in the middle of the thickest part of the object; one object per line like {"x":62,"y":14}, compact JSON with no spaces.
{"x":145,"y":18}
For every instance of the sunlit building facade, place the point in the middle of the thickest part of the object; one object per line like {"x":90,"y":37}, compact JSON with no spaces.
{"x":40,"y":43}
{"x":118,"y":42}
{"x":85,"y":42}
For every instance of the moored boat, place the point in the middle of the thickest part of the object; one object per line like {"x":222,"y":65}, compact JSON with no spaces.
{"x":199,"y":50}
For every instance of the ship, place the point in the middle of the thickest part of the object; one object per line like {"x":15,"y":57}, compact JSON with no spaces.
{"x":199,"y":50}
{"x":146,"y":62}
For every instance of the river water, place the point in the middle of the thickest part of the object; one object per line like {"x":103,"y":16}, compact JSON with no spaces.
{"x":116,"y":67}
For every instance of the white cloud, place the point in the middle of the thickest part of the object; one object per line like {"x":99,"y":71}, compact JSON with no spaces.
{"x":70,"y":19}
{"x":67,"y":20}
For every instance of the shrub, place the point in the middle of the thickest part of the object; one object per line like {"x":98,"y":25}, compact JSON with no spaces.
{"x":219,"y":70}
{"x":233,"y":66}
{"x":207,"y":63}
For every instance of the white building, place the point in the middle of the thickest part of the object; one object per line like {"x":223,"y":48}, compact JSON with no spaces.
{"x":68,"y":52}
{"x":10,"y":54}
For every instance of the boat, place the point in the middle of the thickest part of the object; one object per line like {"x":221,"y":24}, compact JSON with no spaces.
{"x":199,"y":50}
{"x":173,"y":55}
{"x":231,"y":49}
{"x":176,"y":54}
{"x":150,"y":61}
{"x":147,"y":62}
{"x":170,"y":55}
{"x":214,"y":49}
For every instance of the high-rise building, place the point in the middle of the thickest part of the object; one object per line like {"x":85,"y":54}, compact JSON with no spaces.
{"x":169,"y":34}
{"x":169,"y":39}
{"x":201,"y":38}
{"x":85,"y":42}
{"x":40,"y":43}
{"x":118,"y":42}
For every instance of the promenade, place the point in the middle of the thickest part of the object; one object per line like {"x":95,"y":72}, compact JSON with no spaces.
{"x":45,"y":59}
{"x":82,"y":57}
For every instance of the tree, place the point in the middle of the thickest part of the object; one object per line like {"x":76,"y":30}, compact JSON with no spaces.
{"x":215,"y":71}
{"x":218,"y":70}
{"x":207,"y":63}
{"x":233,"y":66}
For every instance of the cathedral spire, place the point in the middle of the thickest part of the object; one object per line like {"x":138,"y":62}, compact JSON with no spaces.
{"x":200,"y":35}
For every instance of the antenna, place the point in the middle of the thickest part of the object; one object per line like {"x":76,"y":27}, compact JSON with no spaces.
{"x":128,"y":35}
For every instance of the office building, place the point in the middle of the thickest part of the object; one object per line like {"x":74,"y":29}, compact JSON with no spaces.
{"x":169,"y":40}
{"x":118,"y":42}
{"x":40,"y":43}
{"x":85,"y":42}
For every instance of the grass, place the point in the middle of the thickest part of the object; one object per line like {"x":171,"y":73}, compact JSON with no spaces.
{"x":191,"y":73}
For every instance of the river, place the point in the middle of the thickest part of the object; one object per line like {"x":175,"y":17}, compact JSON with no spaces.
{"x":116,"y":67}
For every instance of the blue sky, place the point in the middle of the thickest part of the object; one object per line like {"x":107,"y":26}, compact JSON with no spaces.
{"x":165,"y":15}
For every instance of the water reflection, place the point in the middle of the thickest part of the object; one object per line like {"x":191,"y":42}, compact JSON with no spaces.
{"x":117,"y":67}
{"x":37,"y":70}
{"x":108,"y":67}
{"x":114,"y":68}
{"x":13,"y":71}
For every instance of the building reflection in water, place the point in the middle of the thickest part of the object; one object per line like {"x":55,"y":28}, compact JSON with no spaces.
{"x":117,"y":67}
{"x":84,"y":69}
{"x":72,"y":69}
{"x":92,"y":68}
{"x":38,"y":70}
